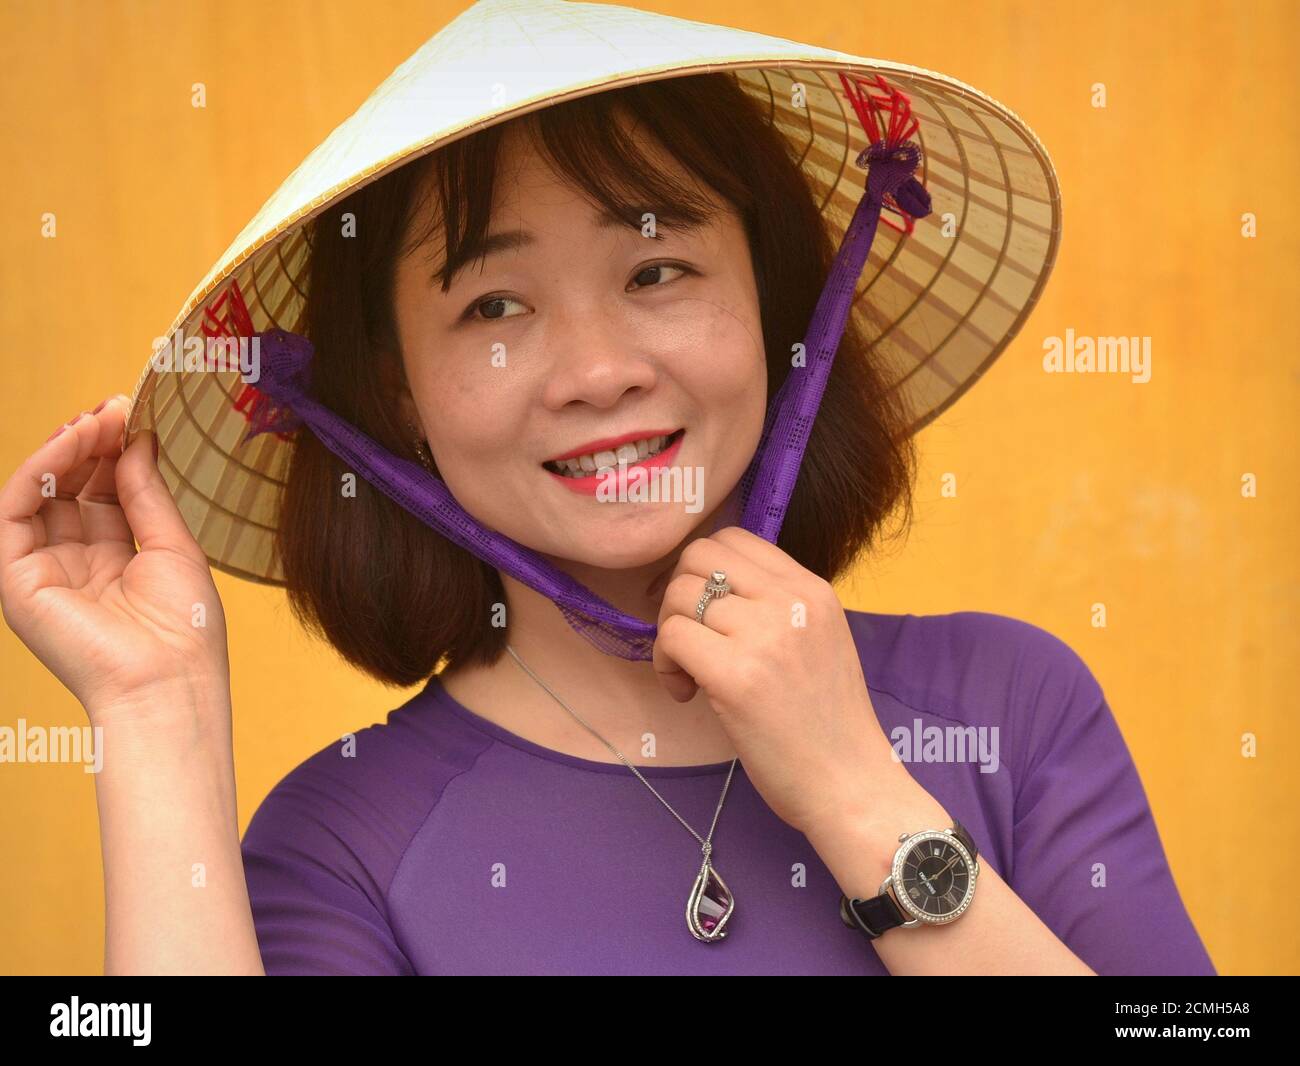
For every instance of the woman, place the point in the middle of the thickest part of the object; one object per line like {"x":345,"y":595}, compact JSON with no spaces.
{"x":671,"y":255}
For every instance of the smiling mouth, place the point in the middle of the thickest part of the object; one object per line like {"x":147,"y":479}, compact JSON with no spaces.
{"x":632,"y":452}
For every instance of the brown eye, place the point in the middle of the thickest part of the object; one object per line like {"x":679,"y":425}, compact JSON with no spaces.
{"x":494,"y":302}
{"x":653,"y":271}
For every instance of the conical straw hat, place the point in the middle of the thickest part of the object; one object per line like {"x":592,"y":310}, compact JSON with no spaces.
{"x":939,"y":304}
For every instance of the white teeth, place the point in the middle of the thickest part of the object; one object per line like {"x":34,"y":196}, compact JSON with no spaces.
{"x":629,"y":452}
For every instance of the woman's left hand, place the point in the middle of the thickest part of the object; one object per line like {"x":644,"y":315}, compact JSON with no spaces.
{"x":778,"y":663}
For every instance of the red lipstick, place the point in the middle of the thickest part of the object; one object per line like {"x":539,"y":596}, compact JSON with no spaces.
{"x":619,"y":476}
{"x":609,"y":444}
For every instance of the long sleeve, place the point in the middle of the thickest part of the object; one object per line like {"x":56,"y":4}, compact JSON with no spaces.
{"x":318,"y":907}
{"x":1088,"y":859}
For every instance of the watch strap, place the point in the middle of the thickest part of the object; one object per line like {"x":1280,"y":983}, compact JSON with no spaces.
{"x":874,"y":916}
{"x":961,"y":833}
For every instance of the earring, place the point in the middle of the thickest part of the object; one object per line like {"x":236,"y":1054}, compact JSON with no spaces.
{"x":422,"y":453}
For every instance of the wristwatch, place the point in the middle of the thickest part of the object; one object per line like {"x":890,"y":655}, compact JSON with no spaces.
{"x":932,"y":882}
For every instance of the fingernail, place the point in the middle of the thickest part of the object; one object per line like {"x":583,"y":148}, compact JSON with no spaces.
{"x":101,"y":406}
{"x":56,"y":433}
{"x":77,"y":419}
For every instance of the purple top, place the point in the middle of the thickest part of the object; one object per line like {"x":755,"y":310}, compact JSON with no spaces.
{"x":445,"y":844}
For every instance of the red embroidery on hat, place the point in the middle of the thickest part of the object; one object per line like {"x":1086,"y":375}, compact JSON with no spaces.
{"x":227,"y":317}
{"x":888,"y":117}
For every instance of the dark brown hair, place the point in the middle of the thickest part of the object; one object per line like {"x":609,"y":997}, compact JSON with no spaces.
{"x":390,"y":594}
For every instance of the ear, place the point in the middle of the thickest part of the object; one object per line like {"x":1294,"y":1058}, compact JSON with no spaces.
{"x":399,"y":394}
{"x":408,"y":414}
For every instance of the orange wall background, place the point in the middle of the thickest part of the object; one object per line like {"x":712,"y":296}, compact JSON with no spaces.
{"x":1072,"y":489}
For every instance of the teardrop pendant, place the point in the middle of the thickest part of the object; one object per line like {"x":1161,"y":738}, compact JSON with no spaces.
{"x":710,"y":906}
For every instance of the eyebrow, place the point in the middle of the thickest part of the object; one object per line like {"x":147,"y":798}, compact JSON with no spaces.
{"x":514,"y":239}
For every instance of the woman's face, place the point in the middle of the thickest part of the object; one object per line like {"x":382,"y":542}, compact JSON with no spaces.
{"x":580,"y":332}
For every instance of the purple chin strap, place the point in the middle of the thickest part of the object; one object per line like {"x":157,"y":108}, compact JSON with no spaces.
{"x":768,"y":482}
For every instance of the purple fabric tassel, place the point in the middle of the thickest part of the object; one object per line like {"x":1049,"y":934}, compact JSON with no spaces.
{"x":766,"y":487}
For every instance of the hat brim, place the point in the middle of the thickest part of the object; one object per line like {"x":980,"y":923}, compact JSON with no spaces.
{"x":939,"y":305}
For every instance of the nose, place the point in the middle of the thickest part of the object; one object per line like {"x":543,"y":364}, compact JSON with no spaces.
{"x":596,"y":359}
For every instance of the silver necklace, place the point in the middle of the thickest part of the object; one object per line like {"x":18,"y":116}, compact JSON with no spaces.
{"x":710,"y":904}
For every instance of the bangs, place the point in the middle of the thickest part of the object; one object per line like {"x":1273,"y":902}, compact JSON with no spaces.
{"x":595,"y":144}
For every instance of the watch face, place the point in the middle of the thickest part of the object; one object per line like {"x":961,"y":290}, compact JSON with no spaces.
{"x":934,"y":878}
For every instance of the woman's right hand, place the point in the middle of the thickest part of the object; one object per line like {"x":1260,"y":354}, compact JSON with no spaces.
{"x":123,"y":628}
